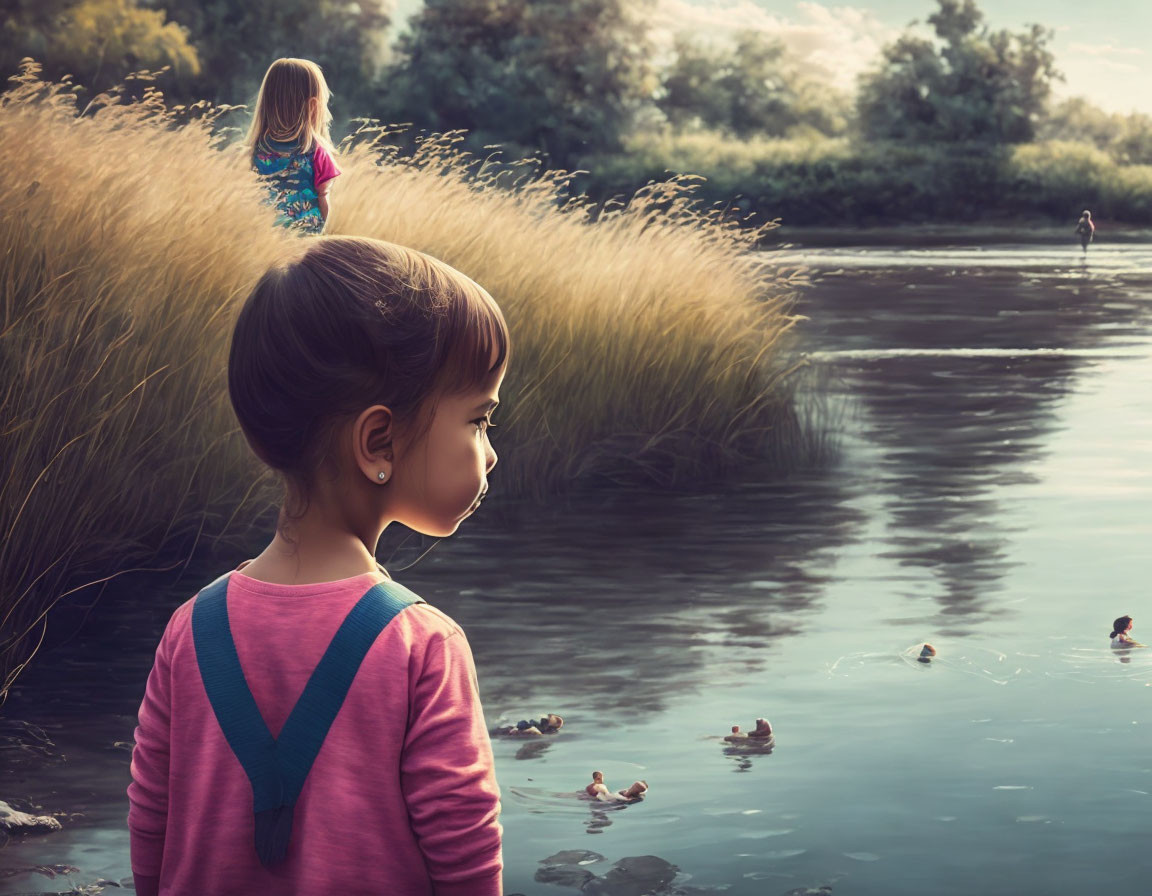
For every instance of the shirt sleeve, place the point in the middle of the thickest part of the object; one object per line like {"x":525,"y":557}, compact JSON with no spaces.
{"x":448,"y":776}
{"x":323,"y":166}
{"x":148,"y":791}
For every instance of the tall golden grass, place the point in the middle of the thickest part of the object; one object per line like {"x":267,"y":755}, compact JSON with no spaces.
{"x":648,"y":342}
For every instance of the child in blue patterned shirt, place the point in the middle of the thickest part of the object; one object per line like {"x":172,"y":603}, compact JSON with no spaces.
{"x":290,"y":143}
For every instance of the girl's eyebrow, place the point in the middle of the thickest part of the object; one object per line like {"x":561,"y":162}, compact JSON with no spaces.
{"x":486,"y":406}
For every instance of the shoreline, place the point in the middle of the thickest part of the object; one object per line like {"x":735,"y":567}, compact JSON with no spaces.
{"x":936,"y":235}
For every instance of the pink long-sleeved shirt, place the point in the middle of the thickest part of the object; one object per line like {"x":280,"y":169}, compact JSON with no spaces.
{"x":402,"y":798}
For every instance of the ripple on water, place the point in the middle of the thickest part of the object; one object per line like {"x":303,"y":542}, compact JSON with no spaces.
{"x":729,"y":810}
{"x":762,"y":835}
{"x":990,"y":665}
{"x":781,"y":853}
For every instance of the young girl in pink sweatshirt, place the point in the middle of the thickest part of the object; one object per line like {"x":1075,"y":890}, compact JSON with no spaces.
{"x":310,"y":725}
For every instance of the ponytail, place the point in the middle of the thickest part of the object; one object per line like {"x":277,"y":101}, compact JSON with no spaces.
{"x":1120,"y":625}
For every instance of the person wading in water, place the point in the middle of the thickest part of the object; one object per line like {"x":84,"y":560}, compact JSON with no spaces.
{"x":1085,"y":230}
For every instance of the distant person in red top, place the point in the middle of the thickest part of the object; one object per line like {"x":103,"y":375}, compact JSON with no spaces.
{"x":1085,"y":230}
{"x":365,"y":375}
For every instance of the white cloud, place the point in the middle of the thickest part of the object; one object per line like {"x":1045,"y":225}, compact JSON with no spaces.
{"x":838,"y":42}
{"x":1117,"y":78}
{"x":1115,"y":66}
{"x":1104,"y":50}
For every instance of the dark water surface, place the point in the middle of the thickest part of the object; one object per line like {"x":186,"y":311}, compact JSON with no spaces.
{"x":991,"y":495}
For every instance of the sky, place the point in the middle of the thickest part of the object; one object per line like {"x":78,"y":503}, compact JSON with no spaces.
{"x":1103,"y":47}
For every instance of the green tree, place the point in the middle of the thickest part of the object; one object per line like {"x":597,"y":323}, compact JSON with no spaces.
{"x":1133,"y":145}
{"x":753,"y":87}
{"x":1127,"y":138}
{"x":96,"y":41}
{"x":970,"y":84}
{"x":237,"y":41}
{"x":1081,"y":121}
{"x":556,"y":77}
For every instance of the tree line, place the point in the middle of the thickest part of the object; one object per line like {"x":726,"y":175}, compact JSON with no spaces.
{"x":568,"y":81}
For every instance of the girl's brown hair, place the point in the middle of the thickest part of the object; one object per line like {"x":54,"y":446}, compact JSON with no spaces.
{"x":1120,"y":625}
{"x":283,"y":107}
{"x":345,"y":323}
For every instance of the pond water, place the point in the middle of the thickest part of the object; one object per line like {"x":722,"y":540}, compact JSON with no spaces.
{"x":990,"y":495}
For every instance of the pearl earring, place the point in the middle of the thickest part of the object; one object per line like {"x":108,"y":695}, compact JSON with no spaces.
{"x":381,"y":475}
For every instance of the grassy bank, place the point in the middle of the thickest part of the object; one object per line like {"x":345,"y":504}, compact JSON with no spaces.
{"x":650,"y":344}
{"x":835,"y":182}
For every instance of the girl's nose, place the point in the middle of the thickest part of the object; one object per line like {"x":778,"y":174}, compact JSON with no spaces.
{"x":490,"y":458}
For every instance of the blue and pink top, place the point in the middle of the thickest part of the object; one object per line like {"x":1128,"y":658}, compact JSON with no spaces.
{"x":294,"y":179}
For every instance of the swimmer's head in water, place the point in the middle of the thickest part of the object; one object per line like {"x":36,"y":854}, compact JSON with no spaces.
{"x":1121,"y":625}
{"x":598,"y":777}
{"x":553,"y":721}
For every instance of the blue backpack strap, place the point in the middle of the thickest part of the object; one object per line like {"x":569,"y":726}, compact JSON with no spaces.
{"x":277,"y":768}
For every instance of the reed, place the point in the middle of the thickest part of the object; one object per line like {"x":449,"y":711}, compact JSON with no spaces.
{"x":648,"y":340}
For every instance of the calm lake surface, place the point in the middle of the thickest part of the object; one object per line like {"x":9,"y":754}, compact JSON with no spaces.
{"x":991,"y":495}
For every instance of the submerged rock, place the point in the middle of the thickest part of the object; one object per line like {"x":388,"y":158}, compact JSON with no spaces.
{"x":46,"y":870}
{"x":24,"y":745}
{"x":564,"y":876}
{"x":21,"y":822}
{"x":635,"y":876}
{"x":573,"y":857}
{"x":630,"y":876}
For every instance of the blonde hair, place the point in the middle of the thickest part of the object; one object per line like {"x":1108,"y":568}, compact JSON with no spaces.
{"x":283,"y":106}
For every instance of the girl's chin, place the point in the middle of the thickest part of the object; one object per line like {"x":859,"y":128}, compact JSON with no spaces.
{"x":444,"y":529}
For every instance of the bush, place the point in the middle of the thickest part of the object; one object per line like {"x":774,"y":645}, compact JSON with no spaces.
{"x":838,"y":182}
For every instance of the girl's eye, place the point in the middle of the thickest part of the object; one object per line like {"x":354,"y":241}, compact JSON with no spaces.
{"x":484,"y":423}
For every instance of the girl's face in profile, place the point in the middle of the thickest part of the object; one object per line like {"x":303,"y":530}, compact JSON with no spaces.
{"x":439,"y":480}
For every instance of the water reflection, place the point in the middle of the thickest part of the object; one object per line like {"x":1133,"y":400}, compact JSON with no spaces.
{"x":630,"y":600}
{"x":743,"y":754}
{"x":600,"y":608}
{"x":651,"y":622}
{"x":959,"y":391}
